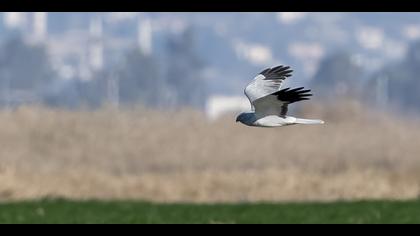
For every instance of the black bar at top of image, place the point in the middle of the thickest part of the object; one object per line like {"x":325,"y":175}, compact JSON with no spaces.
{"x":209,"y":5}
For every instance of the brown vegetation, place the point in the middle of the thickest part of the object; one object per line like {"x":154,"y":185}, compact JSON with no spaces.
{"x":175,"y":156}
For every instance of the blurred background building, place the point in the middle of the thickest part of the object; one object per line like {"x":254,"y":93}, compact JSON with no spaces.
{"x":190,"y":59}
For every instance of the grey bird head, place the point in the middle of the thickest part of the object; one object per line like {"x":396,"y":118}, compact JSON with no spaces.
{"x":246,"y":118}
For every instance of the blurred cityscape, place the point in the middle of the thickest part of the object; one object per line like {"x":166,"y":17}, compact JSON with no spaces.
{"x":204,"y":60}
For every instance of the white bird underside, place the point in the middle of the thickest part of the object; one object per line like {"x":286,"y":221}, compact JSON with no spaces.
{"x":277,"y":121}
{"x":270,"y":103}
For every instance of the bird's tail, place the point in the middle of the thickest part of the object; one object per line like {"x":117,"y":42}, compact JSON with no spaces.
{"x":308,"y":121}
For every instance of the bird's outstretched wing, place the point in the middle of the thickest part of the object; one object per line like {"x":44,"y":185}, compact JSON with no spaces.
{"x":277,"y":102}
{"x":267,"y":82}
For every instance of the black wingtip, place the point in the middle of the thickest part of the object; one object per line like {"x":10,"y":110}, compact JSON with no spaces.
{"x":296,"y":89}
{"x":294,"y":95}
{"x":277,"y":72}
{"x":264,"y":71}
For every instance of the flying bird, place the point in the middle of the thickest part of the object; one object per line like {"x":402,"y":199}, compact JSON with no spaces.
{"x":270,"y":103}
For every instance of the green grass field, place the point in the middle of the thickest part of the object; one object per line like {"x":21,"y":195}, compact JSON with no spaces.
{"x":63,"y":211}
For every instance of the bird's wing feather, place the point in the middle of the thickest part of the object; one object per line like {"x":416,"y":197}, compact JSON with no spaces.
{"x":277,"y":102}
{"x":267,"y":82}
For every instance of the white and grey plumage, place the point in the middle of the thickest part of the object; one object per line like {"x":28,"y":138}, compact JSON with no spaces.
{"x":269,"y":103}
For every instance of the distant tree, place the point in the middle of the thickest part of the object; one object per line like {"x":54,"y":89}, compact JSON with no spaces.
{"x":77,"y":93}
{"x":23,"y":66}
{"x":183,"y":76}
{"x":409,"y":81}
{"x":25,"y":71}
{"x":399,"y":83}
{"x":338,"y":75}
{"x":413,"y":56}
{"x":139,"y":79}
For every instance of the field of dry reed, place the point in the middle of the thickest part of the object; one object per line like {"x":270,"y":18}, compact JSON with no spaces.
{"x":180,"y":156}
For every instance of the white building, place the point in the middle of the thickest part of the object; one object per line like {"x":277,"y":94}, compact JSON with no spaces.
{"x":218,"y":106}
{"x":145,"y":35}
{"x":96,"y":57}
{"x":15,"y":20}
{"x":40,"y":26}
